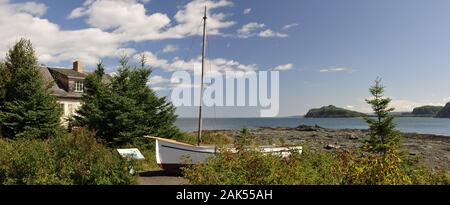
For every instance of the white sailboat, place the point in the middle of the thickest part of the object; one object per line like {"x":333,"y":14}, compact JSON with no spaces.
{"x":171,"y":154}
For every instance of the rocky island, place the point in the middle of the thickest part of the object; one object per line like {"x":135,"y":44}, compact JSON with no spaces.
{"x":332,"y":111}
{"x":444,"y":112}
{"x":427,"y":111}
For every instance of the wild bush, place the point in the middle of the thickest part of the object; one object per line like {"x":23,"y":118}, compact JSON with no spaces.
{"x":250,"y":166}
{"x":351,"y":167}
{"x":208,"y":137}
{"x":65,"y":159}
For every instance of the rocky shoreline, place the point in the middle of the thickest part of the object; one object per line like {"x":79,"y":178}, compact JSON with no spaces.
{"x":434,"y":149}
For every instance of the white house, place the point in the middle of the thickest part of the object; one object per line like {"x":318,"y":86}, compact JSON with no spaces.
{"x":67,"y":86}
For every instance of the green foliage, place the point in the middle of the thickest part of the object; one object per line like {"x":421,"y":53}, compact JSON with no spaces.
{"x":65,"y":159}
{"x":382,"y":132}
{"x":5,"y":76}
{"x":125,"y":110}
{"x":332,"y":111}
{"x":245,"y":138}
{"x":249,"y":166}
{"x":27,"y":107}
{"x":369,"y":169}
{"x":208,"y":137}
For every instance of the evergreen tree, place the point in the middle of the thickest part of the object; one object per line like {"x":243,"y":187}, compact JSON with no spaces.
{"x":4,"y":79}
{"x":94,"y":95}
{"x":126,"y":109}
{"x":382,"y":132}
{"x":28,"y":108}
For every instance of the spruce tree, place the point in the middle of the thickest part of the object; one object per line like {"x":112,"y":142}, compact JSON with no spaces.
{"x":382,"y":132}
{"x":28,"y":109}
{"x":94,"y":95}
{"x":4,"y":79}
{"x":126,"y":109}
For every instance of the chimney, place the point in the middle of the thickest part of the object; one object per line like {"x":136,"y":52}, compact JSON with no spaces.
{"x":78,"y":66}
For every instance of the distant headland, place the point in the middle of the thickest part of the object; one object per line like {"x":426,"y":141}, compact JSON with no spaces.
{"x":332,"y":111}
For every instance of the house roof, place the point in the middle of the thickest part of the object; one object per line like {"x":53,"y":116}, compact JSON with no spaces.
{"x":69,"y":72}
{"x":57,"y":88}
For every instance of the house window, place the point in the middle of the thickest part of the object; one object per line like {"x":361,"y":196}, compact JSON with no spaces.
{"x":79,"y":86}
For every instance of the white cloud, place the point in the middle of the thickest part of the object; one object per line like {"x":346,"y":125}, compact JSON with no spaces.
{"x":159,"y":83}
{"x":269,"y":33}
{"x":189,"y":18}
{"x":404,"y":105}
{"x":32,"y":8}
{"x":157,"y":79}
{"x":350,"y":107}
{"x":130,"y":20}
{"x":76,"y":13}
{"x":284,"y":67}
{"x":114,"y":24}
{"x":254,"y":29}
{"x":336,"y":69}
{"x":289,"y":26}
{"x":126,"y":18}
{"x":176,"y":64}
{"x":247,"y":30}
{"x":400,"y":105}
{"x":51,"y":43}
{"x":170,"y":48}
{"x":247,"y":11}
{"x":125,"y":51}
{"x":447,"y":99}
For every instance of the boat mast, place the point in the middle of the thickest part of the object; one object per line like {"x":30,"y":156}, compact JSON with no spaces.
{"x":200,"y":121}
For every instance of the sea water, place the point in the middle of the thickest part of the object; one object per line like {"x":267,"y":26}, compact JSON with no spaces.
{"x":438,"y":126}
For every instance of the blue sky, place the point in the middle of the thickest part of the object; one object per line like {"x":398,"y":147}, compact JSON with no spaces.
{"x":335,"y":49}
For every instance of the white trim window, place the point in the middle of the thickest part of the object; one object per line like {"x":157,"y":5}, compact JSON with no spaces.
{"x":79,"y":86}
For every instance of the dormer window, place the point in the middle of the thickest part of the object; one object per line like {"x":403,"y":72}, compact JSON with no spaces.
{"x":79,"y":86}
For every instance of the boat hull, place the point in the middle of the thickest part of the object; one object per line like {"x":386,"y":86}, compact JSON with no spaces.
{"x":172,"y":155}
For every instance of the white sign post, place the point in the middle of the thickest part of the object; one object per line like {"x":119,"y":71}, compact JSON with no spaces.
{"x":129,"y":154}
{"x":132,"y":153}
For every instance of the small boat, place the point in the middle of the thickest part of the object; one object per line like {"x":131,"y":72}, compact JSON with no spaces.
{"x":171,"y":154}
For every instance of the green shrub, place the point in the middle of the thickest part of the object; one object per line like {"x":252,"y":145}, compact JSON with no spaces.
{"x":390,"y":168}
{"x":248,"y":166}
{"x":85,"y":161}
{"x":27,"y":161}
{"x":208,"y":137}
{"x":371,"y":169}
{"x":66,"y":159}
